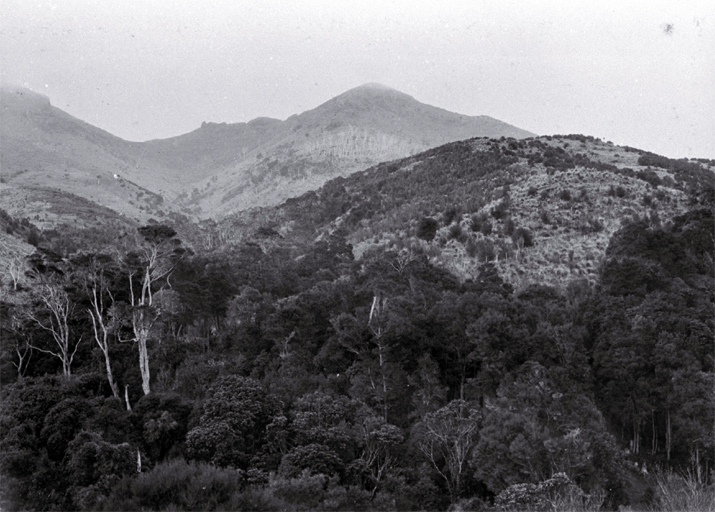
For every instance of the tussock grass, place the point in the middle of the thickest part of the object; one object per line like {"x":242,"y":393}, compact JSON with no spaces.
{"x":678,"y":492}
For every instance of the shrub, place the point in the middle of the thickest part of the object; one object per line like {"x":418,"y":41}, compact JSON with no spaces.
{"x":477,"y":220}
{"x":617,"y":191}
{"x":178,"y":485}
{"x":509,"y":226}
{"x":313,"y":458}
{"x":500,"y":210}
{"x":649,"y":176}
{"x":676,"y":492}
{"x":449,"y":215}
{"x":485,"y":250}
{"x":427,"y":229}
{"x":532,"y":191}
{"x":558,"y":493}
{"x":471,"y":248}
{"x":455,"y":231}
{"x":565,"y":195}
{"x":591,"y":225}
{"x":545,"y":217}
{"x":305,"y":492}
{"x":523,"y":235}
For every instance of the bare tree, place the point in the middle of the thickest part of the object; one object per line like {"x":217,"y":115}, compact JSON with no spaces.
{"x":378,"y":323}
{"x":57,"y":303}
{"x":402,"y":260}
{"x":98,"y":312}
{"x":22,"y":345}
{"x":160,"y":252}
{"x":15,"y":268}
{"x":447,"y":437}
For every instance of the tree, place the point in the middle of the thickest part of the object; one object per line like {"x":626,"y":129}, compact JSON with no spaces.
{"x":446,"y":437}
{"x":159,"y":253}
{"x":232,"y":428}
{"x":58,"y":309}
{"x":97,"y":288}
{"x":427,"y":228}
{"x":21,"y":343}
{"x":14,"y":266}
{"x":535,"y":429}
{"x":379,"y":441}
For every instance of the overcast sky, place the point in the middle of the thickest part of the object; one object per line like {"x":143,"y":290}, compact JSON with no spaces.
{"x":640,"y":73}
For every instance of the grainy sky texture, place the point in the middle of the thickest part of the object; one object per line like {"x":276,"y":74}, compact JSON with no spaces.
{"x":640,"y":73}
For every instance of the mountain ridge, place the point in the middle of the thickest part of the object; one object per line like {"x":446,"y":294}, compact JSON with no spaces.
{"x":220,"y":168}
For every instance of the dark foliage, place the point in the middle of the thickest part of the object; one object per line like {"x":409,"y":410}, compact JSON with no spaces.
{"x":289,"y":373}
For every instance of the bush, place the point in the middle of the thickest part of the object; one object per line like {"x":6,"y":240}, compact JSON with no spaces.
{"x":449,"y":215}
{"x":523,"y":234}
{"x":313,"y":458}
{"x":558,"y":493}
{"x":455,"y":231}
{"x":618,"y":191}
{"x":676,"y":492}
{"x":509,"y":226}
{"x":545,"y":217}
{"x":178,"y":485}
{"x":471,"y":248}
{"x":649,"y":176}
{"x":304,"y":493}
{"x":591,"y":225}
{"x":427,"y":229}
{"x":485,"y":250}
{"x":565,"y":195}
{"x":481,"y":223}
{"x":501,"y":209}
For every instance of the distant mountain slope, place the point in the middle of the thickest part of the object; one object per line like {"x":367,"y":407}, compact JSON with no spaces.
{"x":220,"y":168}
{"x":542,"y":209}
{"x":359,"y":128}
{"x":43,"y":148}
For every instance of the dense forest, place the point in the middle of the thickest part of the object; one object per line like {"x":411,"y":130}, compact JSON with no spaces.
{"x":143,"y":371}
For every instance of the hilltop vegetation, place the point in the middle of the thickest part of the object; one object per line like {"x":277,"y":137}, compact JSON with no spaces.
{"x":541,"y":210}
{"x":490,"y":325}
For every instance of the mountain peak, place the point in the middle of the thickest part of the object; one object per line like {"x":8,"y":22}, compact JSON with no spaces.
{"x":375,"y":86}
{"x":13,"y":97}
{"x":373,"y":89}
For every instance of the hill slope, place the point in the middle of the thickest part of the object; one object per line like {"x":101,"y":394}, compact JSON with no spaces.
{"x":44,"y":149}
{"x":359,"y":128}
{"x":219,"y":168}
{"x":542,"y":210}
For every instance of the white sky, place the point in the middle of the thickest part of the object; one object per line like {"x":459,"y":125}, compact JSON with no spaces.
{"x":635,"y":72}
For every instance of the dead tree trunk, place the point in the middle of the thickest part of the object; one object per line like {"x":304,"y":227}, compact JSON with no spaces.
{"x":101,"y":334}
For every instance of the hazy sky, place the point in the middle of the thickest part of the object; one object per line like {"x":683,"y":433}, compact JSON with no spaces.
{"x":640,"y":73}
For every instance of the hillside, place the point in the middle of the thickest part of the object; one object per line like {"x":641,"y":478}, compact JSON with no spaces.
{"x":43,"y":148}
{"x":359,"y":128}
{"x":357,"y":347}
{"x":542,"y":209}
{"x":218,"y":168}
